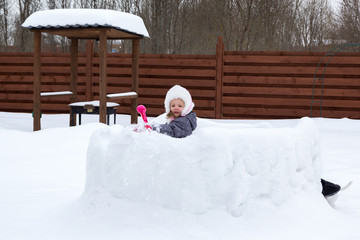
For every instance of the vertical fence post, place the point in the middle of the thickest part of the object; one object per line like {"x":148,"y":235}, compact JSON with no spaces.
{"x":89,"y":70}
{"x":135,"y":77}
{"x":74,"y":72}
{"x":219,"y":74}
{"x":37,"y":81}
{"x":74,"y":67}
{"x":103,"y":75}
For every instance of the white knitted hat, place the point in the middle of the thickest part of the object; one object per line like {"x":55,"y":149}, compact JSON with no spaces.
{"x":176,"y":92}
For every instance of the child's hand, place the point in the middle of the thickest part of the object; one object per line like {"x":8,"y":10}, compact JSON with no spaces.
{"x":142,"y":128}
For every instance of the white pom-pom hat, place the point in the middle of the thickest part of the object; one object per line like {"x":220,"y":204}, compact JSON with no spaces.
{"x":176,"y":92}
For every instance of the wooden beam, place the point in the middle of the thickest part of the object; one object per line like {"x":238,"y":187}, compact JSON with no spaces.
{"x":74,"y":71}
{"x":37,"y":81}
{"x":74,"y":67}
{"x":89,"y":69}
{"x":135,"y":78}
{"x":219,"y":74}
{"x":91,"y":33}
{"x":102,"y":75}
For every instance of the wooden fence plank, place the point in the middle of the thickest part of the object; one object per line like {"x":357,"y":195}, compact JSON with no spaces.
{"x":156,"y":62}
{"x":22,"y":79}
{"x":294,"y":81}
{"x":265,"y":113}
{"x":159,"y":82}
{"x":44,"y":69}
{"x":289,"y":70}
{"x":44,"y":88}
{"x":199,"y":103}
{"x":163,"y":72}
{"x":289,"y":102}
{"x":289,"y":60}
{"x":160,"y":91}
{"x":292,"y":91}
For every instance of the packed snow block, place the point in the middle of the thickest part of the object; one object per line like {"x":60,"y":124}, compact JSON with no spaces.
{"x":216,"y":167}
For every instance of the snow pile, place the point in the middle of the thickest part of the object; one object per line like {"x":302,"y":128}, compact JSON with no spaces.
{"x":237,"y":168}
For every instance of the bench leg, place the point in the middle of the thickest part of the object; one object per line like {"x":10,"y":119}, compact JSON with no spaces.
{"x":72,"y":118}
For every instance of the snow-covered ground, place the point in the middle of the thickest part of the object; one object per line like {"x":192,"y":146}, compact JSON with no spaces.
{"x":43,"y":177}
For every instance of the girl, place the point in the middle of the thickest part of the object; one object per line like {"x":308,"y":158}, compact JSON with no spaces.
{"x":181,"y":121}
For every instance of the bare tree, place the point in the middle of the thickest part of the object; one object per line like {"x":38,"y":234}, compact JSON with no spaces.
{"x":56,"y":4}
{"x":349,"y":21}
{"x":161,"y":17}
{"x":193,"y":26}
{"x":287,"y":30}
{"x":97,"y":4}
{"x":312,"y":25}
{"x":129,"y":6}
{"x":4,"y":24}
{"x":248,"y":24}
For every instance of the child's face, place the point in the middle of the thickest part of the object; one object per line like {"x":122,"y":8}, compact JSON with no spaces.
{"x":176,"y":106}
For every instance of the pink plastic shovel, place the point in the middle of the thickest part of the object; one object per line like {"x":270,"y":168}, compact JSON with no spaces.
{"x":142,"y":109}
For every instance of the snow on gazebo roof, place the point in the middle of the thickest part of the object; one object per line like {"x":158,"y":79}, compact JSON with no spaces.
{"x":57,"y":20}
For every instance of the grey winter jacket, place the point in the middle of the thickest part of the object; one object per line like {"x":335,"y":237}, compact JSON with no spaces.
{"x":180,"y":127}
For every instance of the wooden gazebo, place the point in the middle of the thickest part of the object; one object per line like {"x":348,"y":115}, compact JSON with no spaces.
{"x":75,"y":24}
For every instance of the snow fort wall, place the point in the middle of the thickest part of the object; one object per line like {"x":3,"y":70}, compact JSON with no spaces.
{"x":234,"y":168}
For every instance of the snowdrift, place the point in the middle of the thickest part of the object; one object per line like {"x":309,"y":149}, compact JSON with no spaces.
{"x":235,"y":168}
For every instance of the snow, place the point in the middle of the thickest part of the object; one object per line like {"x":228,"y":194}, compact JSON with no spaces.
{"x":234,"y":169}
{"x":68,"y":18}
{"x":125,"y":94}
{"x":44,"y":94}
{"x":50,"y":190}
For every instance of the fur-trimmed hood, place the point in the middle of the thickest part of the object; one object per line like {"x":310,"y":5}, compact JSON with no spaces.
{"x":175,"y":92}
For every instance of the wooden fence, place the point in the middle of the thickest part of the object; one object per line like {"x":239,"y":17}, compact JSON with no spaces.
{"x":252,"y":85}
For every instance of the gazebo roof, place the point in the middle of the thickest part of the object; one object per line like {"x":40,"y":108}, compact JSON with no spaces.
{"x":86,"y":23}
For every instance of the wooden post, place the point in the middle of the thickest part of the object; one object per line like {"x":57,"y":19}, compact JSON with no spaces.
{"x":89,"y":70}
{"x":135,"y":78}
{"x":74,"y":71}
{"x":102,"y":75}
{"x":219,"y":74}
{"x":37,"y":81}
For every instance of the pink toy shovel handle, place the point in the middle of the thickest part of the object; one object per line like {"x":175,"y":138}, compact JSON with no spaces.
{"x":142,"y":109}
